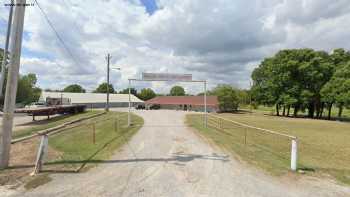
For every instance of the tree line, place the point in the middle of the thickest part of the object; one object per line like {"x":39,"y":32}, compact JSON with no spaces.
{"x":144,"y":94}
{"x":229,"y":97}
{"x":304,"y":80}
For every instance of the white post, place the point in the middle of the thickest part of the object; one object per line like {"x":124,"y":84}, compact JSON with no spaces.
{"x":294,"y":155}
{"x":107,"y":103}
{"x":129,"y":116}
{"x":205,"y":105}
{"x":4,"y":60}
{"x":42,"y":152}
{"x":11,"y":86}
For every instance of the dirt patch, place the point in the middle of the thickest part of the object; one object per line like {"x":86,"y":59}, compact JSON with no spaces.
{"x":23,"y":156}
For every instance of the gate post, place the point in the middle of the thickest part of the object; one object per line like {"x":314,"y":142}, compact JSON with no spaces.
{"x":294,"y":155}
{"x":129,"y":117}
{"x":205,"y":105}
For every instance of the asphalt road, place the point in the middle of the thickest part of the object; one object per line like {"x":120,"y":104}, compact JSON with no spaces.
{"x":166,"y":158}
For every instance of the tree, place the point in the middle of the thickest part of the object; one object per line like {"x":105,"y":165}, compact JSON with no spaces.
{"x":50,"y":90}
{"x":293,"y":78}
{"x":133,"y":91}
{"x":337,"y":90}
{"x":1,"y":54}
{"x":146,"y":94}
{"x":177,"y":91}
{"x":244,"y":97}
{"x":74,"y":88}
{"x":27,"y":92}
{"x":227,"y":97}
{"x":102,"y":88}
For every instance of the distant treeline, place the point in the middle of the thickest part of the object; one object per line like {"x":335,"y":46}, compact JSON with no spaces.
{"x":304,"y":80}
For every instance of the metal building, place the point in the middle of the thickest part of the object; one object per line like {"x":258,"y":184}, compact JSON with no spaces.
{"x":93,"y":100}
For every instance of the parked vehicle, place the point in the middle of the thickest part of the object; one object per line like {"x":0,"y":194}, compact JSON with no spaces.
{"x":140,"y":106}
{"x":35,"y":105}
{"x":155,"y":107}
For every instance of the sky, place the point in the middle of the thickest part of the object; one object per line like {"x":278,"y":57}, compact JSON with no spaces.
{"x":220,"y":41}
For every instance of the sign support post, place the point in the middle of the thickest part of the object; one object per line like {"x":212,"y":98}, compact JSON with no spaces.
{"x":205,"y":105}
{"x":170,"y":77}
{"x":129,"y":115}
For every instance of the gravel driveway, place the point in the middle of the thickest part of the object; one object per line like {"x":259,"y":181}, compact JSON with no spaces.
{"x":165,"y":158}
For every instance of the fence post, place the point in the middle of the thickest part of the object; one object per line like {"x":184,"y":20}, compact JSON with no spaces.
{"x":115,"y":124}
{"x":42,"y":152}
{"x":294,"y":155}
{"x":93,"y":133}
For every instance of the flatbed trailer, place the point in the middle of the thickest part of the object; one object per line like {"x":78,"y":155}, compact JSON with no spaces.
{"x":52,"y":110}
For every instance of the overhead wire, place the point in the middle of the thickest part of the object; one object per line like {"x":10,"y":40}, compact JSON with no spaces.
{"x":69,"y":6}
{"x":60,"y":39}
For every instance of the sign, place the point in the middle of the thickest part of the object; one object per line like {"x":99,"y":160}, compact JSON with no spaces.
{"x":166,"y":77}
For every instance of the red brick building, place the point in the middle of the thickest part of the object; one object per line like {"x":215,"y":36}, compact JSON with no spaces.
{"x":187,"y":103}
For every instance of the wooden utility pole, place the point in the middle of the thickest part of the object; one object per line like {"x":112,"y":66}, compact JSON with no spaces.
{"x":107,"y":103}
{"x":11,"y":86}
{"x":4,"y":60}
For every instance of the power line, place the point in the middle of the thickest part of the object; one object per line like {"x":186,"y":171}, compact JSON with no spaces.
{"x":71,"y":11}
{"x":56,"y":33}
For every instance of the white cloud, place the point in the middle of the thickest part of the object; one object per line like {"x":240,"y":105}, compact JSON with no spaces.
{"x":221,"y":41}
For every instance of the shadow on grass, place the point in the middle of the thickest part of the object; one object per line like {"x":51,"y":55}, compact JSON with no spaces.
{"x":240,"y":111}
{"x":83,"y":162}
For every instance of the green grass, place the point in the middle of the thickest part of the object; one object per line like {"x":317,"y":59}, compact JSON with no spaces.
{"x":55,"y":121}
{"x":324,"y":146}
{"x":77,"y":144}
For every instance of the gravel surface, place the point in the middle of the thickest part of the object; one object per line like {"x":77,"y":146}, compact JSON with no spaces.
{"x":23,"y":121}
{"x":165,"y":158}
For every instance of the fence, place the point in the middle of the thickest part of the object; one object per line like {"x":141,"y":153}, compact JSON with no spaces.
{"x":80,"y":142}
{"x":270,"y":142}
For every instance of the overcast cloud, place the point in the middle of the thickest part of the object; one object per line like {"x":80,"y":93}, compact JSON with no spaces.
{"x":221,"y":41}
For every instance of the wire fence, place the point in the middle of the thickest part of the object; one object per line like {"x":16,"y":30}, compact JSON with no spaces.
{"x":255,"y":143}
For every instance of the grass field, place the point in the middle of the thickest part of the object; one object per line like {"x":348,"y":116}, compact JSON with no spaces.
{"x":51,"y":123}
{"x":324,"y":146}
{"x":77,"y":147}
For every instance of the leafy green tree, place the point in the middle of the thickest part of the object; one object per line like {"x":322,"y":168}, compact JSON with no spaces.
{"x":340,"y":57}
{"x":244,"y":97}
{"x":146,"y":94}
{"x":102,"y":88}
{"x":1,"y":54}
{"x":27,"y":92}
{"x":133,"y":91}
{"x":177,"y":91}
{"x":50,"y":90}
{"x":202,"y":93}
{"x":337,"y":90}
{"x":74,"y":88}
{"x":227,"y":97}
{"x":293,"y":78}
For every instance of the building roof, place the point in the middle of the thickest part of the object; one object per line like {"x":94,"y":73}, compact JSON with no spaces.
{"x":90,"y":97}
{"x":181,"y":100}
